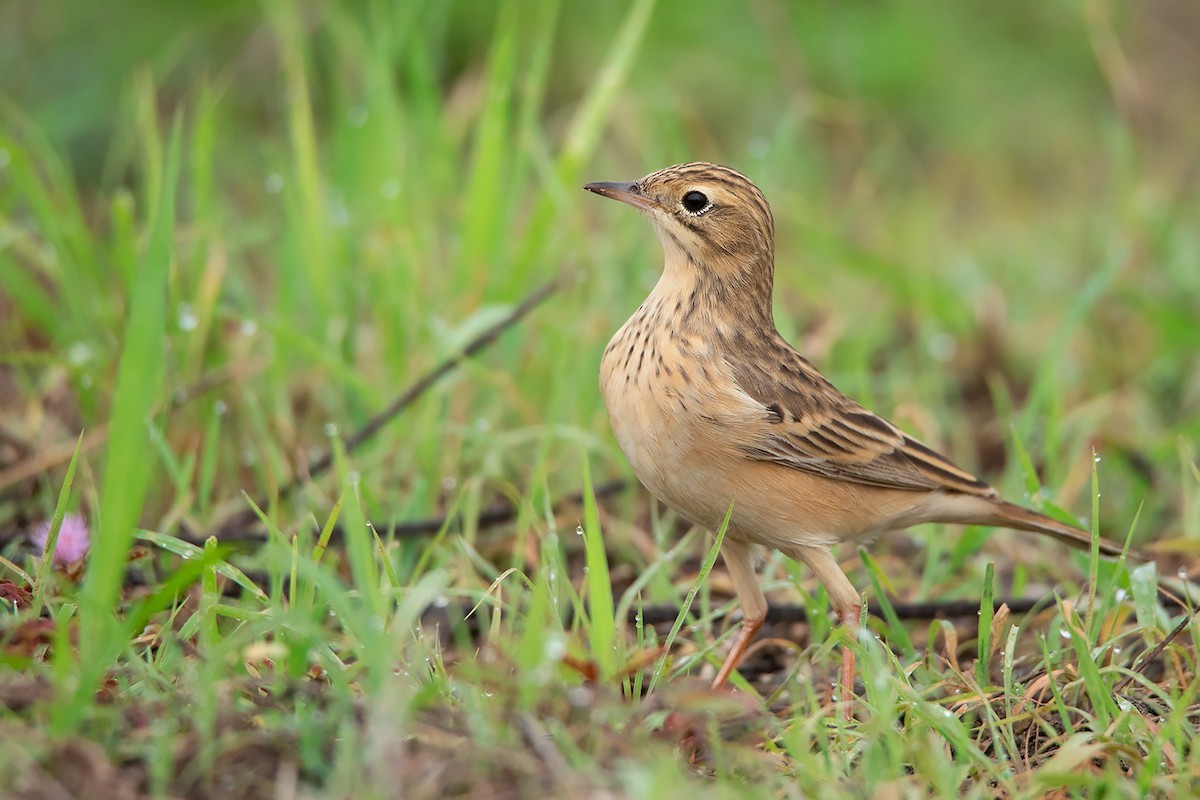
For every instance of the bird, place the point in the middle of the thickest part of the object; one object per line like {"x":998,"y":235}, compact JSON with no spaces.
{"x":719,"y":416}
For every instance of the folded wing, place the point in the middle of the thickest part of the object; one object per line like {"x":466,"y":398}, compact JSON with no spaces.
{"x":809,"y":425}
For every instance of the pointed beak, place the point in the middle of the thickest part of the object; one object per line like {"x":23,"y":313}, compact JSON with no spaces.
{"x":625,"y":192}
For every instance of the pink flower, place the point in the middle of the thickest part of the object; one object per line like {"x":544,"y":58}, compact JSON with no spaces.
{"x":72,"y":542}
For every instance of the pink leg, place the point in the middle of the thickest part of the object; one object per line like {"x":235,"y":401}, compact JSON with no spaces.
{"x":846,"y":604}
{"x":739,"y":560}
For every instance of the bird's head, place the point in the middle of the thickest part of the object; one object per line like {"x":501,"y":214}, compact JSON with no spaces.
{"x":710,"y":219}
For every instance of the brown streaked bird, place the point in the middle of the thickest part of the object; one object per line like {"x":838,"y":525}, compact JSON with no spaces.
{"x":712,"y":407}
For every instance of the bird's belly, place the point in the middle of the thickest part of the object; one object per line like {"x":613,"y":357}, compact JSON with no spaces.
{"x":669,"y":456}
{"x":666,"y":428}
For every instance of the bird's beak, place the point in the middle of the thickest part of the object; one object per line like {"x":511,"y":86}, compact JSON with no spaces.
{"x":625,"y":192}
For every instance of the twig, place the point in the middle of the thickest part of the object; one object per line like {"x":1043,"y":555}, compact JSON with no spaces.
{"x":403,"y":401}
{"x":488,"y":518}
{"x":663,"y":614}
{"x":426,"y":381}
{"x":1154,"y":652}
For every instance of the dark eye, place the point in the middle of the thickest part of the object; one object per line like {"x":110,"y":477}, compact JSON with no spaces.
{"x":695,"y":202}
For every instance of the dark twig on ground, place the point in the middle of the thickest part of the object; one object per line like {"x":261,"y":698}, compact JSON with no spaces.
{"x":1153,"y":653}
{"x":488,"y":518}
{"x":246,"y":518}
{"x":930,"y":609}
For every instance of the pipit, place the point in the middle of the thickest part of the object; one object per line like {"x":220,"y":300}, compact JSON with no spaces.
{"x":718,"y":414}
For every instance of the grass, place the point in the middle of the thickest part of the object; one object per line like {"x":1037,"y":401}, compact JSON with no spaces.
{"x":233,"y":234}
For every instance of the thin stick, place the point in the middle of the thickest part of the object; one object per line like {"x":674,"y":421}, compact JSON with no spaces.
{"x":403,"y":401}
{"x":662,"y":614}
{"x":426,"y":382}
{"x":488,"y":518}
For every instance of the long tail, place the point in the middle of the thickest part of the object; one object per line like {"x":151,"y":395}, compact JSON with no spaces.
{"x":1003,"y":514}
{"x":1009,"y":515}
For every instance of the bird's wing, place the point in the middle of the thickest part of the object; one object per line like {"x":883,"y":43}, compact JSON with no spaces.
{"x":809,"y":425}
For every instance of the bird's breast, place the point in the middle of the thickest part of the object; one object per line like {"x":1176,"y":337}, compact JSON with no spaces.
{"x":662,"y":390}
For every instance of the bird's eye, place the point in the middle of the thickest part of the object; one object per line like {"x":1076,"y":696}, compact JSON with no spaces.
{"x":696,"y":202}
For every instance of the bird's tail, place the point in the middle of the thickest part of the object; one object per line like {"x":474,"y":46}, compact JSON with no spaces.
{"x":1009,"y":515}
{"x":1002,"y":514}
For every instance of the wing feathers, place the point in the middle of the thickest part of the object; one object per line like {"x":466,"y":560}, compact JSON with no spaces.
{"x":817,"y":429}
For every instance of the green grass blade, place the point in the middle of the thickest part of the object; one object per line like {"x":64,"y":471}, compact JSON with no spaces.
{"x":60,"y":511}
{"x":602,"y":629}
{"x":986,"y":611}
{"x":128,"y":469}
{"x":896,"y":630}
{"x":706,"y":567}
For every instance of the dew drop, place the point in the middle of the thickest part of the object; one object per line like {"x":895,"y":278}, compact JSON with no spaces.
{"x":554,"y":649}
{"x":185,"y":317}
{"x":80,"y":353}
{"x":274,"y":183}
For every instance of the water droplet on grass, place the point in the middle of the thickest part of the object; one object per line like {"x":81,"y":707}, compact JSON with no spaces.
{"x":274,"y":183}
{"x":554,"y":649}
{"x":80,"y":353}
{"x":185,"y":317}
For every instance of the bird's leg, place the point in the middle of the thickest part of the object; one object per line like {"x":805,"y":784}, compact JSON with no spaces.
{"x":846,"y":603}
{"x":849,"y":619}
{"x":739,"y":560}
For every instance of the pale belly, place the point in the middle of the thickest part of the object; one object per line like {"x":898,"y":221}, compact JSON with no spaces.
{"x":674,"y":431}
